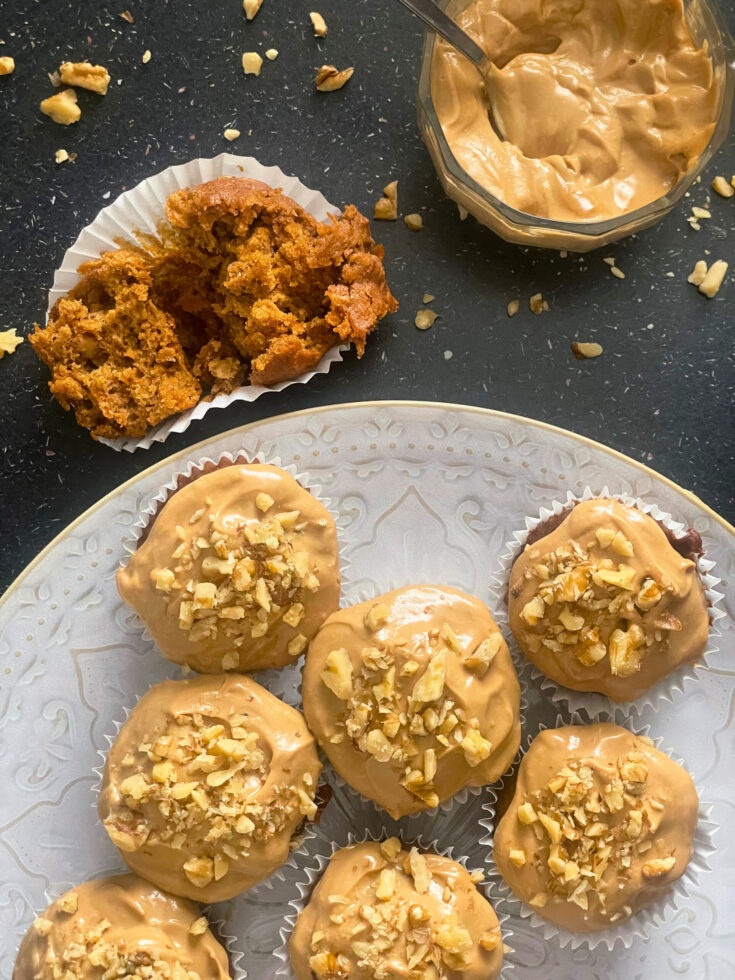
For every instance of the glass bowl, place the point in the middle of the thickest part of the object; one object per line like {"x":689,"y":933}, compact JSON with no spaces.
{"x":707,"y":26}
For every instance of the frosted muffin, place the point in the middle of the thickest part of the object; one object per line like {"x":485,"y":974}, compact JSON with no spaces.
{"x":413,"y":696}
{"x":120,"y":927}
{"x":603,"y":600}
{"x":380,"y":911}
{"x":238,"y":571}
{"x":207,"y":784}
{"x":600,"y":826}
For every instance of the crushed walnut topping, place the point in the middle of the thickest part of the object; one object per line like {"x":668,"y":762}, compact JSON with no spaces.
{"x":397,"y":709}
{"x":85,"y":945}
{"x":594,"y":607}
{"x":585,"y":825}
{"x":398,"y":927}
{"x":194,"y":788}
{"x":237,"y":583}
{"x":83,"y":74}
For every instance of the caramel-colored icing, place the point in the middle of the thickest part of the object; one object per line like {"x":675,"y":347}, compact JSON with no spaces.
{"x":626,"y":636}
{"x":433,"y":699}
{"x":399,"y":915}
{"x":612,"y":825}
{"x":124,"y":925}
{"x":207,"y":783}
{"x":603,"y":108}
{"x":225,"y":581}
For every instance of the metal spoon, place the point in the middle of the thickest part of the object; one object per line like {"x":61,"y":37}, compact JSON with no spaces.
{"x":442,"y":23}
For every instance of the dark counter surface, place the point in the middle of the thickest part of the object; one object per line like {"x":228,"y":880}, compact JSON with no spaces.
{"x":662,"y":391}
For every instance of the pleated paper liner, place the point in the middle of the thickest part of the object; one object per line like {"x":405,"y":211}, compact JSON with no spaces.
{"x":593,"y":704}
{"x":638,"y":926}
{"x":302,"y":884}
{"x":140,"y":210}
{"x":284,"y":682}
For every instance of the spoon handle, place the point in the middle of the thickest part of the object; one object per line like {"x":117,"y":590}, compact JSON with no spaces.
{"x":443,"y":24}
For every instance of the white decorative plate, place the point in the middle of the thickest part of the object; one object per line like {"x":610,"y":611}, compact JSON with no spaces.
{"x":427,"y":492}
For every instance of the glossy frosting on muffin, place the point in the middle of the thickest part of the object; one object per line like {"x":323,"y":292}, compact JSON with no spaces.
{"x":206,"y":785}
{"x":600,"y":825}
{"x":380,"y":911}
{"x":238,"y":571}
{"x":413,"y":696}
{"x":120,"y":927}
{"x":605,"y":603}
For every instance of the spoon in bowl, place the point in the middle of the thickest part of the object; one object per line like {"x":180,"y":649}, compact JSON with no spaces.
{"x":435,"y":18}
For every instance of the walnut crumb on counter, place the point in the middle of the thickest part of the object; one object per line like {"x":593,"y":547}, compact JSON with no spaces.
{"x":7,"y":65}
{"x":721,"y":186}
{"x":83,"y":74}
{"x":231,"y":134}
{"x":251,"y":7}
{"x":9,"y":340}
{"x":513,"y":307}
{"x":271,"y":54}
{"x":708,"y":280}
{"x":537,"y":304}
{"x":251,"y":63}
{"x":61,"y":156}
{"x":318,"y":23}
{"x":583,"y":351}
{"x":425,"y":319}
{"x":414,"y":222}
{"x":328,"y":79}
{"x":146,"y":57}
{"x":62,"y":107}
{"x":387,"y":207}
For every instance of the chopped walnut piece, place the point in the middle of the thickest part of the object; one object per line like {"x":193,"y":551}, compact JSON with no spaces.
{"x":68,"y":902}
{"x":251,"y":63}
{"x":537,"y":304}
{"x":387,"y":207}
{"x":9,"y":340}
{"x":483,"y":655}
{"x":376,"y":616}
{"x":419,"y":871}
{"x":425,"y":319}
{"x":7,"y":65}
{"x":658,"y":867}
{"x":251,"y":7}
{"x":329,"y":79}
{"x":517,"y":856}
{"x":714,"y":278}
{"x":42,"y":925}
{"x":271,"y":54}
{"x":583,"y":350}
{"x":513,"y":307}
{"x":146,"y":57}
{"x":476,"y":748}
{"x":337,"y":675}
{"x":231,"y":134}
{"x":722,"y":187}
{"x":199,"y":926}
{"x":83,"y":74}
{"x":390,"y":848}
{"x":414,"y":222}
{"x":62,"y":107}
{"x":318,"y":23}
{"x":698,"y":273}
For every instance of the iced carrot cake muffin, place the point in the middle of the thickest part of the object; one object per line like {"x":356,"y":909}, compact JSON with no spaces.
{"x":608,"y":600}
{"x":238,"y":571}
{"x":413,"y":696}
{"x":601,"y":825}
{"x":207,"y":784}
{"x":381,"y":911}
{"x":124,"y":928}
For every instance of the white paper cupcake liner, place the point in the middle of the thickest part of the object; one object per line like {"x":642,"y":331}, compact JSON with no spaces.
{"x":284,"y":682}
{"x":591,"y":703}
{"x":638,"y":926}
{"x":462,"y":795}
{"x":140,"y":210}
{"x":311,"y":873}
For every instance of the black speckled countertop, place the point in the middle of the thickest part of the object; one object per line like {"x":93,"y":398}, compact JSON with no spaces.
{"x":662,"y":391}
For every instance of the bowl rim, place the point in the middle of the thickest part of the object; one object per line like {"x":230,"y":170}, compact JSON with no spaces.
{"x":645,"y":215}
